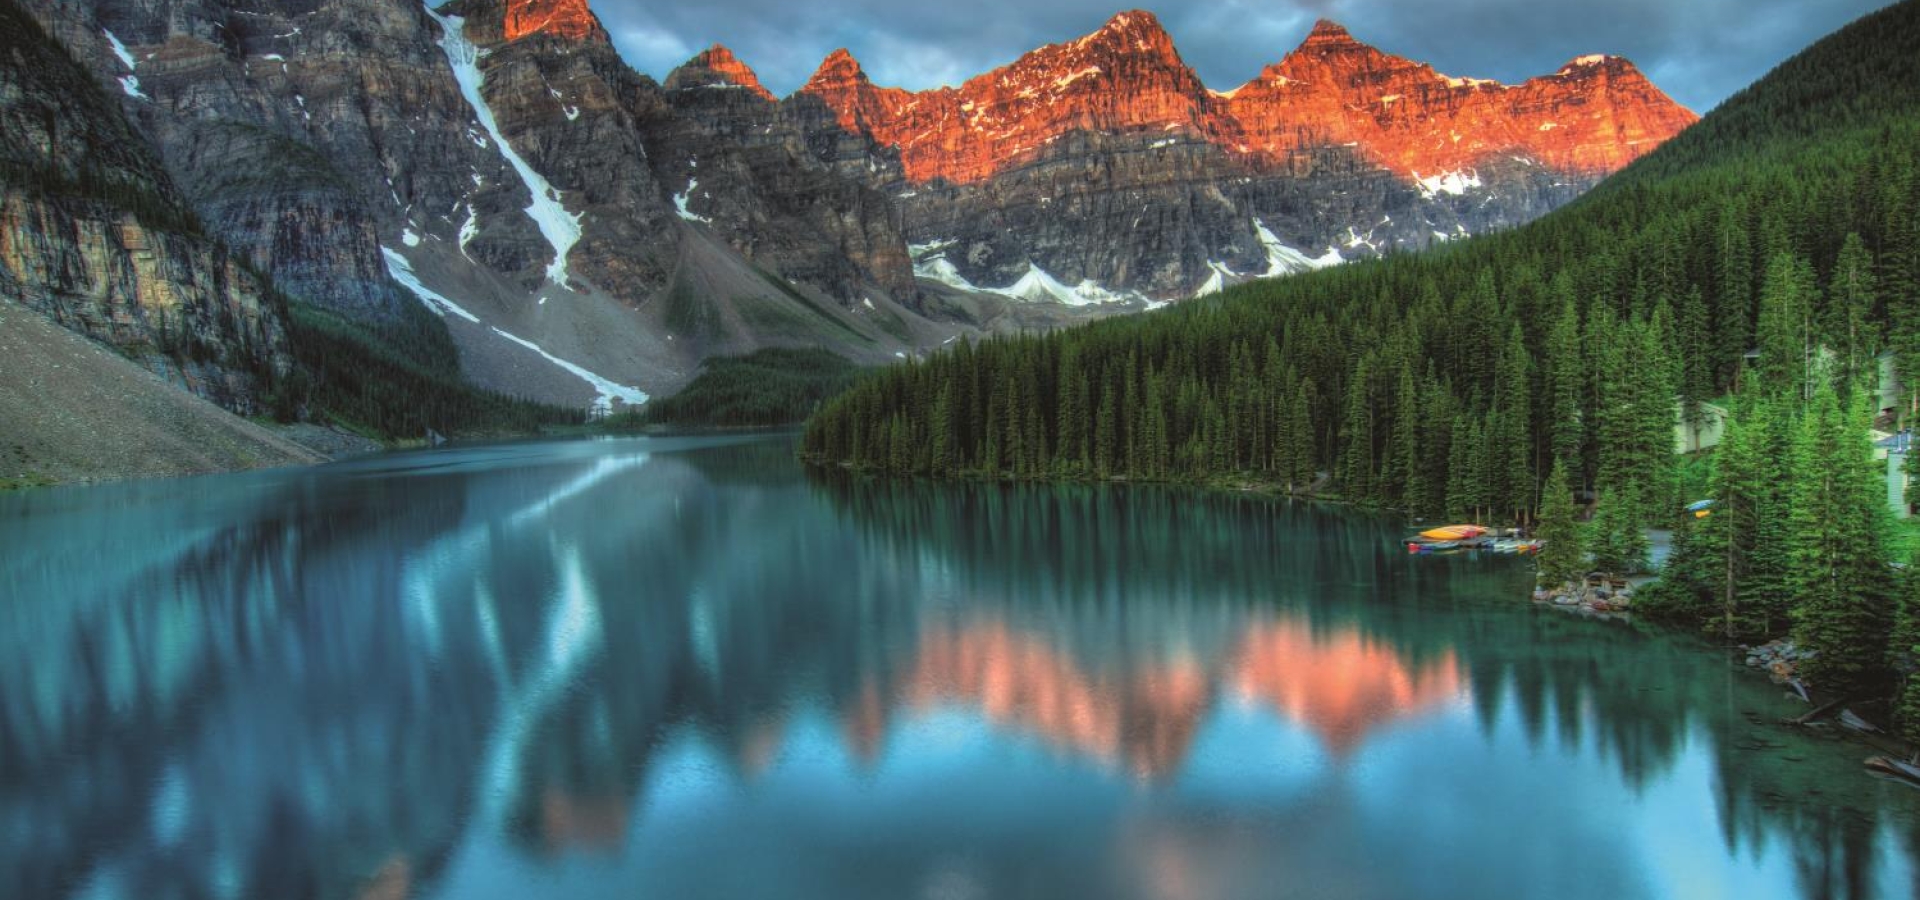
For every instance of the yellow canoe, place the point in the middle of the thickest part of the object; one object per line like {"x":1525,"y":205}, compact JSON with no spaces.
{"x":1454,"y":533}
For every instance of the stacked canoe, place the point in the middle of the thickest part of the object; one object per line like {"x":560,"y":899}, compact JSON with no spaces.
{"x":1467,"y":537}
{"x":1448,"y":537}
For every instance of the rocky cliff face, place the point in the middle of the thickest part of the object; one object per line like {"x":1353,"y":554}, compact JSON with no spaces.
{"x":95,"y":235}
{"x":498,"y":155}
{"x":1102,"y":167}
{"x":1593,"y":116}
{"x":749,"y":175}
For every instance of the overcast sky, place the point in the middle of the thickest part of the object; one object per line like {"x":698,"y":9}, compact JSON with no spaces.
{"x":1699,"y":51}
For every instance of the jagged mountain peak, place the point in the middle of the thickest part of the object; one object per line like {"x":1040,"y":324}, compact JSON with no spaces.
{"x":717,"y":67}
{"x":1327,"y":32}
{"x":838,"y":68}
{"x":569,"y":19}
{"x":1595,"y":65}
{"x":1137,"y":23}
{"x":1332,"y":90}
{"x":1331,"y":44}
{"x":1135,"y":32}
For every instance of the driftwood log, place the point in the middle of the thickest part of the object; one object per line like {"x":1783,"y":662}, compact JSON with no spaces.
{"x":1819,"y":712}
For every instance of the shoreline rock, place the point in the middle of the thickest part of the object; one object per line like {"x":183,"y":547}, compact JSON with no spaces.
{"x":1601,"y":601}
{"x":1780,"y":658}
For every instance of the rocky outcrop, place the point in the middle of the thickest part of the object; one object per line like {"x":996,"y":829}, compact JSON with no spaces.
{"x":95,"y":236}
{"x":294,"y":131}
{"x":1126,"y":76}
{"x":569,"y":19}
{"x":716,"y":68}
{"x":175,"y":303}
{"x":742,"y":167}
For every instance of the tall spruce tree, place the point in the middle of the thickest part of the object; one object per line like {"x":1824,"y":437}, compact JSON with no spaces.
{"x":1616,"y":537}
{"x":1903,"y":652}
{"x":1853,"y":292}
{"x":1837,"y":566}
{"x":1566,"y":381}
{"x":1563,"y":554}
{"x":1512,"y":421}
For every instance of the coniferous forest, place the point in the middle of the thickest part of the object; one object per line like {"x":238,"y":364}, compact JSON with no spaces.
{"x":1455,"y":381}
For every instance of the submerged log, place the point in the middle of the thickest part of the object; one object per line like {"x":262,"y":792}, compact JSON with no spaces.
{"x":1893,"y":768}
{"x":1819,"y":712}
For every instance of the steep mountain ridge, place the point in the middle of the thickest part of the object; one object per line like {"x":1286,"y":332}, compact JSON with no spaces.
{"x":1103,"y":168}
{"x":500,"y":156}
{"x":589,"y":235}
{"x":1332,"y":89}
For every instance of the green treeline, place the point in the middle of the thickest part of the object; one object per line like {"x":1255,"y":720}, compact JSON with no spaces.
{"x":1450,"y":382}
{"x":774,"y":386}
{"x":398,"y":380}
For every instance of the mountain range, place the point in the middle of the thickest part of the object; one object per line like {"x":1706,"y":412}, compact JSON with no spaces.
{"x":587,"y":236}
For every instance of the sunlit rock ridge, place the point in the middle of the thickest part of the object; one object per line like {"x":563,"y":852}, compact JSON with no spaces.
{"x":1106,"y":160}
{"x":1594,"y":115}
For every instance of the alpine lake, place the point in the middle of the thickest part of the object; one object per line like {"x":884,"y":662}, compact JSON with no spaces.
{"x":693,"y":667}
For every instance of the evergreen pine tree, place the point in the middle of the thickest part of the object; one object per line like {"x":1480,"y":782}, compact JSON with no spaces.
{"x":1618,"y":541}
{"x":1837,"y":568}
{"x":1852,"y":295}
{"x":1566,"y":386}
{"x":1511,"y":446}
{"x":1903,"y":653}
{"x":1563,"y":554}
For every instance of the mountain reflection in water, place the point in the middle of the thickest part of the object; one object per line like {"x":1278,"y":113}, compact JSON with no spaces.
{"x":685,"y":667}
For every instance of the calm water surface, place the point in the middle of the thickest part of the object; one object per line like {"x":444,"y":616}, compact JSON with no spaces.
{"x":688,"y":668}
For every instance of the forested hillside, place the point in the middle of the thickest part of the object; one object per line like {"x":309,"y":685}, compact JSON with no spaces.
{"x":1448,"y":382}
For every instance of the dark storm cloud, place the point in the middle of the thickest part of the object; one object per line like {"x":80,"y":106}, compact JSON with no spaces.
{"x":1700,"y":51}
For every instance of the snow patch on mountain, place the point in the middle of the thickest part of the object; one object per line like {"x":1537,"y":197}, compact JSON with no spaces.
{"x":559,"y":227}
{"x":128,"y":82}
{"x":1285,"y":260}
{"x":1065,"y":81}
{"x":1216,"y":281}
{"x":930,"y":262}
{"x":438,"y":304}
{"x":469,"y":228}
{"x":607,"y":390}
{"x":680,"y":203}
{"x":1036,"y":285}
{"x":1455,"y":183}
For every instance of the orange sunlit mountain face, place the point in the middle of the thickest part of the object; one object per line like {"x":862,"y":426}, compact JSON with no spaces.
{"x":1594,"y":115}
{"x":570,"y":19}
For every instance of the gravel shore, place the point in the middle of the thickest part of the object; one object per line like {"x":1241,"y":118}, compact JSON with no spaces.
{"x":72,"y":410}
